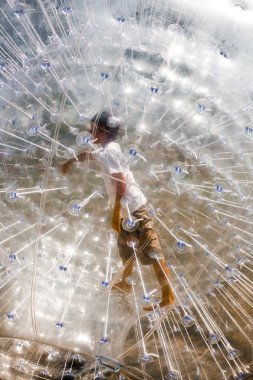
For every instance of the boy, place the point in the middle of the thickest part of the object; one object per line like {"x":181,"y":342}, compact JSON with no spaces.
{"x":122,"y":188}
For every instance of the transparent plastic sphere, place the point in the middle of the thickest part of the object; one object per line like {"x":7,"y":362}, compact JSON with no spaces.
{"x":13,"y":257}
{"x":46,"y":373}
{"x":104,"y":75}
{"x":188,"y":320}
{"x":105,"y":283}
{"x":87,"y":258}
{"x":33,"y":129}
{"x":19,"y":10}
{"x":59,"y":325}
{"x":112,"y":235}
{"x":69,"y":375}
{"x":173,"y":374}
{"x":46,"y":65}
{"x":66,"y":9}
{"x":220,"y":188}
{"x":225,"y":52}
{"x":74,"y":207}
{"x":175,"y":29}
{"x":80,"y":118}
{"x":99,"y":376}
{"x":77,"y":359}
{"x":98,"y":193}
{"x":248,"y":129}
{"x":11,"y":317}
{"x":132,"y":151}
{"x":125,"y":201}
{"x":232,"y":274}
{"x":54,"y":117}
{"x":64,"y":223}
{"x":65,"y":186}
{"x":218,"y":284}
{"x":178,"y":170}
{"x":155,"y":90}
{"x":158,"y":76}
{"x":154,"y":255}
{"x":146,"y":358}
{"x":53,"y":355}
{"x":89,"y":227}
{"x":242,"y":261}
{"x":180,"y":246}
{"x":243,"y":374}
{"x":61,"y":256}
{"x":233,"y":354}
{"x":3,"y":64}
{"x":84,"y":140}
{"x":239,"y":5}
{"x":113,"y":122}
{"x":104,"y":340}
{"x":131,"y":280}
{"x":202,"y":106}
{"x":121,"y":19}
{"x":132,"y":242}
{"x":185,"y":87}
{"x":130,"y":225}
{"x":63,"y":268}
{"x":153,"y":211}
{"x":11,"y":195}
{"x":146,"y":297}
{"x":116,"y":104}
{"x":214,"y":338}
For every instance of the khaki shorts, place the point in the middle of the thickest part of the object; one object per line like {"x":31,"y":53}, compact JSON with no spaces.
{"x":147,"y":239}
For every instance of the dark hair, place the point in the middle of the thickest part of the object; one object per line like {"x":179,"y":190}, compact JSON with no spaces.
{"x":108,"y":123}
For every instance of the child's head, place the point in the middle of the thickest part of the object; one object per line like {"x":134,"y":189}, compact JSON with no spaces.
{"x":107,"y":123}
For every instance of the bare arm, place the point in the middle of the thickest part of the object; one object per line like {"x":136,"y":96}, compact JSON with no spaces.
{"x":81,"y":157}
{"x":120,"y":185}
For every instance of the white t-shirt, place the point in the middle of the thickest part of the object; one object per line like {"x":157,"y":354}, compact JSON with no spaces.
{"x":112,"y":160}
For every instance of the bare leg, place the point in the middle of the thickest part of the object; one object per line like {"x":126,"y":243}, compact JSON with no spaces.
{"x":162,"y":272}
{"x":127,"y":271}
